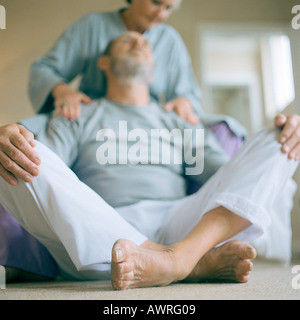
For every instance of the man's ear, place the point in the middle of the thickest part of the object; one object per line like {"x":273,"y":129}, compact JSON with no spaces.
{"x":104,"y":63}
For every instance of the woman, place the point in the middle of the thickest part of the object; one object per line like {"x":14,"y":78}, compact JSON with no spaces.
{"x":77,"y":51}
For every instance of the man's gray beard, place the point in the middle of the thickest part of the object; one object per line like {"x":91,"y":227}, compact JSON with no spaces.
{"x":127,"y":69}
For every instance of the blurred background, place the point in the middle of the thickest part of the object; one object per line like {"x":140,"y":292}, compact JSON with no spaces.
{"x":244,"y":52}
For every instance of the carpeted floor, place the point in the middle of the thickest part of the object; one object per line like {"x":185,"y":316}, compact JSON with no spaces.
{"x":268,"y":282}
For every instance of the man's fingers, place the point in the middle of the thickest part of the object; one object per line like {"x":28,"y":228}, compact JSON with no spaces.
{"x":290,"y":138}
{"x":27,"y":135}
{"x":280,"y":120}
{"x":9,"y":167}
{"x":295,"y":153}
{"x":290,"y":128}
{"x":18,"y":159}
{"x":22,"y":153}
{"x":8,"y":177}
{"x":14,"y":161}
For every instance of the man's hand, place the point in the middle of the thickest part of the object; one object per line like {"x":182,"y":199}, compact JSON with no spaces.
{"x":290,"y":135}
{"x":17,"y":156}
{"x":184,"y":109}
{"x":67,"y":101}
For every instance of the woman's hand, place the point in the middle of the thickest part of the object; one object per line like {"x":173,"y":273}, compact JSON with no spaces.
{"x":17,"y":156}
{"x":67,"y":101}
{"x":290,"y":135}
{"x":184,"y":109}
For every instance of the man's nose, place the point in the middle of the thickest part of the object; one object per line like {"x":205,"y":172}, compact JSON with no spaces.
{"x":138,"y":43}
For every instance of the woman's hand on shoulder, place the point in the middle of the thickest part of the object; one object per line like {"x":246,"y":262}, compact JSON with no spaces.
{"x":183,"y":107}
{"x":67,"y":102}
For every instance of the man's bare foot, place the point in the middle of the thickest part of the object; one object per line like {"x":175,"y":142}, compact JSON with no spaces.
{"x":147,"y":265}
{"x":143,"y":266}
{"x":230,"y":262}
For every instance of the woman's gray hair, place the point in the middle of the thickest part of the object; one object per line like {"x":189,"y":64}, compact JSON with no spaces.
{"x":179,"y":3}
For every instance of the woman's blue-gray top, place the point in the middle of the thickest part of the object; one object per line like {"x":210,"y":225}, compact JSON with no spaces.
{"x":76,"y":53}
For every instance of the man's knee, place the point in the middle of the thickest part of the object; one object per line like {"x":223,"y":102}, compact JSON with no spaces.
{"x":267,"y":141}
{"x":269,"y":135}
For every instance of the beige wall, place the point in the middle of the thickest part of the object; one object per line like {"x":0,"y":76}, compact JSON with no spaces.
{"x":33,"y":26}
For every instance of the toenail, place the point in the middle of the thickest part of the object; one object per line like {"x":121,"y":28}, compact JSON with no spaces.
{"x":119,"y":254}
{"x":249,"y":252}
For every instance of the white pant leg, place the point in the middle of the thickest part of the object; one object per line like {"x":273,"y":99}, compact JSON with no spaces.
{"x":249,"y":185}
{"x":276,"y":242}
{"x":76,"y":225}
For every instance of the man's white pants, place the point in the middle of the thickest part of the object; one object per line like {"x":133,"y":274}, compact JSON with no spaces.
{"x":79,"y":228}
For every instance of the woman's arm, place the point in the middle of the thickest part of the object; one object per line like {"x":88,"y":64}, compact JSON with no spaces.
{"x":61,"y":64}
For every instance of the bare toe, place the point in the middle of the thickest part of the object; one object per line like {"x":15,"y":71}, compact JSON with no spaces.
{"x":121,"y":266}
{"x":229,"y":262}
{"x":134,"y":266}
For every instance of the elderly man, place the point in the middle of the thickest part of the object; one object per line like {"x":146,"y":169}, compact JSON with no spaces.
{"x":125,"y":215}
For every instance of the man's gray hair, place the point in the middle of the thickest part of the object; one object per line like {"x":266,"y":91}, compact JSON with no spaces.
{"x":107,"y":51}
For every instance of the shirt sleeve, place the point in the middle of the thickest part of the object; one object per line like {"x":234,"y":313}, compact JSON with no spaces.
{"x":62,"y":136}
{"x":64,"y":61}
{"x":183,"y":82}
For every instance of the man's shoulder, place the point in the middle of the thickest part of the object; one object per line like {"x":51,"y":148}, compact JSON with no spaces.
{"x":171,"y":120}
{"x":88,"y":110}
